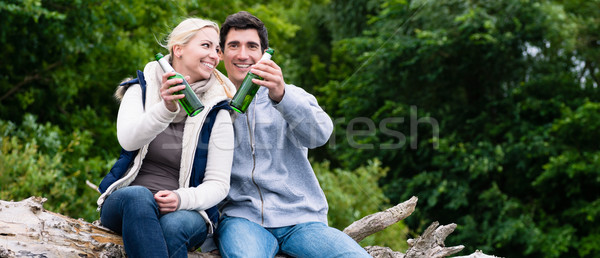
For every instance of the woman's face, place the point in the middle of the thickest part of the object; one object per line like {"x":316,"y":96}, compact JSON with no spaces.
{"x":199,"y":57}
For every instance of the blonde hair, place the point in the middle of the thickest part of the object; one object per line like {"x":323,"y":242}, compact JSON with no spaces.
{"x":185,"y":31}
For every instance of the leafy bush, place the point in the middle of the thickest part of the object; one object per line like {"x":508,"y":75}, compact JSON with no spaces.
{"x":354,"y":194}
{"x":43,"y":160}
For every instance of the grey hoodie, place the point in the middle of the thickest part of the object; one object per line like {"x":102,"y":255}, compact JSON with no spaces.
{"x":272,"y":181}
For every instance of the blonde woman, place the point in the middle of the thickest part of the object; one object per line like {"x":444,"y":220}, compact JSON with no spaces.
{"x":163,"y":201}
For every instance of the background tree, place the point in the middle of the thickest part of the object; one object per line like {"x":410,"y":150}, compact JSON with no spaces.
{"x":498,"y":78}
{"x":485,"y":110}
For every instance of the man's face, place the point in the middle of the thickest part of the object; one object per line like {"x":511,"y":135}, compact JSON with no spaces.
{"x":241,"y":51}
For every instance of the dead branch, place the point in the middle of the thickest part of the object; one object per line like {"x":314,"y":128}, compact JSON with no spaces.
{"x":373,"y":223}
{"x":26,"y":229}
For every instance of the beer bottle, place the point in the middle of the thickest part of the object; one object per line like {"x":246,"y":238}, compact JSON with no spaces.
{"x":244,"y":95}
{"x":191,"y":103}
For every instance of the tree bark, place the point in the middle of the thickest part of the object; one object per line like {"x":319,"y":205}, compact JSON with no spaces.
{"x":27,"y":230}
{"x":376,"y":222}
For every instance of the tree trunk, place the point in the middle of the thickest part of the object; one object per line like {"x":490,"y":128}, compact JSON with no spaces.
{"x":27,"y":230}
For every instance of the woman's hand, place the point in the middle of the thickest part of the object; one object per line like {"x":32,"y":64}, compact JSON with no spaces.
{"x":167,"y":201}
{"x":167,"y":89}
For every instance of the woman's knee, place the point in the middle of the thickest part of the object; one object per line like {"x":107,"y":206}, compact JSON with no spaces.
{"x":183,"y":230}
{"x":134,"y":192}
{"x":136,"y":200}
{"x":183,"y":222}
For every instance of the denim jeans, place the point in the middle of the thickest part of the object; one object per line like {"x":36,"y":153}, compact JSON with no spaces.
{"x":132,"y":212}
{"x":239,"y":237}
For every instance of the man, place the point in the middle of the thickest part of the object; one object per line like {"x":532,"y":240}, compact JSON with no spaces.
{"x":275,"y":203}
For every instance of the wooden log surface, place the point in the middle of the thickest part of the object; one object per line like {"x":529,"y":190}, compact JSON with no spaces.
{"x":28,"y":230}
{"x":379,"y":221}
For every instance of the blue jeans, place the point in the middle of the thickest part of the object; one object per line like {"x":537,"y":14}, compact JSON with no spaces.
{"x":132,"y":212}
{"x":239,"y":237}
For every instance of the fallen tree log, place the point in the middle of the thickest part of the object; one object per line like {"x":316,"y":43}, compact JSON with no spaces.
{"x":28,"y":230}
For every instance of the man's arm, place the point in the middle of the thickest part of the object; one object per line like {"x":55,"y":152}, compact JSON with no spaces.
{"x":310,"y":125}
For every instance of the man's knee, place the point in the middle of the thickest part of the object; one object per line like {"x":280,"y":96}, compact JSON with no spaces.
{"x":239,"y":237}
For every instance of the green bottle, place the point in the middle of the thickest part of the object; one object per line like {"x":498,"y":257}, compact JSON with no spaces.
{"x":191,"y":103}
{"x":244,"y":95}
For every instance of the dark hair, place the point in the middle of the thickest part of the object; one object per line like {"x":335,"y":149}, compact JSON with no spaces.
{"x":244,"y":20}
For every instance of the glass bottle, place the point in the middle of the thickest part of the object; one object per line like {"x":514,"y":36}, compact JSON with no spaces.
{"x":244,"y":95}
{"x":191,"y":103}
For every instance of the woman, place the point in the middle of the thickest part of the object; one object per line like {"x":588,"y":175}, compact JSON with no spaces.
{"x":156,"y":205}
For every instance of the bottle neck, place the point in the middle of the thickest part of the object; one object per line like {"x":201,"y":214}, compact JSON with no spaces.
{"x":164,"y":64}
{"x":175,"y":67}
{"x":266,"y":56}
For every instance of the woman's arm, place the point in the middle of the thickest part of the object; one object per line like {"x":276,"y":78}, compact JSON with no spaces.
{"x":215,"y":186}
{"x":137,"y":127}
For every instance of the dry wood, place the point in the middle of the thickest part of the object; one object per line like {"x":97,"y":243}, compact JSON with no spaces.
{"x":26,"y":229}
{"x":477,"y":254}
{"x":431,"y":243}
{"x":376,"y":222}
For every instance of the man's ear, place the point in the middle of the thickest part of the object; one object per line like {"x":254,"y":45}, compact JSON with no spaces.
{"x":221,"y":54}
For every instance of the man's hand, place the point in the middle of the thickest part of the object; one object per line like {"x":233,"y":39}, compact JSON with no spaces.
{"x":167,"y":201}
{"x":272,"y":78}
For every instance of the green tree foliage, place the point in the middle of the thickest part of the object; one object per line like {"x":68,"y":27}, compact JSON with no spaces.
{"x":43,"y":160}
{"x":72,"y":54}
{"x":353,"y":195}
{"x":514,"y":165}
{"x":485,"y":110}
{"x":62,"y":60}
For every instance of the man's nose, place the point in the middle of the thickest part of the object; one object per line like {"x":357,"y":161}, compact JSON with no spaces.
{"x":243,"y":54}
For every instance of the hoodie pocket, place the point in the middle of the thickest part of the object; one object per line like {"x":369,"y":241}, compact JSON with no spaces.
{"x":280,"y":194}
